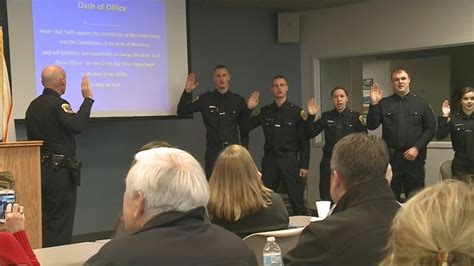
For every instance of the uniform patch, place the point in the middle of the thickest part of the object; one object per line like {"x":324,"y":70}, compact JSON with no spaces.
{"x":362,"y":120}
{"x":256,"y":113}
{"x":195,"y":99}
{"x":67,"y":108}
{"x":303,"y":115}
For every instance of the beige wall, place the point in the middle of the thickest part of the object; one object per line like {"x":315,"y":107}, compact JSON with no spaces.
{"x":374,"y":28}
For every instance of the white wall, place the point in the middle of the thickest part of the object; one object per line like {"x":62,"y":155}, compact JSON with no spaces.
{"x":379,"y":27}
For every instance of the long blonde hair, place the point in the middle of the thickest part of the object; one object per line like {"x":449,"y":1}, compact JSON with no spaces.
{"x":435,"y":227}
{"x":236,"y":187}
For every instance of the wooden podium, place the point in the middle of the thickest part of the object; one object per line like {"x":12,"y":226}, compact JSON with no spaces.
{"x":22,"y":159}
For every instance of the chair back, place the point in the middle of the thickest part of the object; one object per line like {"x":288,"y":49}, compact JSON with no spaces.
{"x":445,"y":170}
{"x":286,"y":239}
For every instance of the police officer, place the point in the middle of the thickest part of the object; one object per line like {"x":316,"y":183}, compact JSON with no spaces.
{"x":336,"y":124}
{"x":286,"y":146}
{"x":461,"y":127}
{"x":408,"y":125}
{"x":51,"y":119}
{"x":224,"y":113}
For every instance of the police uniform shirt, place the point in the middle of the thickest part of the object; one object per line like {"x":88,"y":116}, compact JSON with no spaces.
{"x":461,"y":127}
{"x":420,"y":125}
{"x":283,"y":128}
{"x":225,"y":116}
{"x":352,"y":121}
{"x":51,"y":119}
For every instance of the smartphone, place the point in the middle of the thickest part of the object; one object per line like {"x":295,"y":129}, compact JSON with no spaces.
{"x":6,"y":196}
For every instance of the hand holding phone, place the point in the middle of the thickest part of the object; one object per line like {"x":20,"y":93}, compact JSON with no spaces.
{"x":7,"y":196}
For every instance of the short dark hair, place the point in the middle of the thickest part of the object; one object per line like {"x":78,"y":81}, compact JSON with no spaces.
{"x":221,"y":67}
{"x":359,"y":157}
{"x":339,"y":88}
{"x":398,"y":70}
{"x":280,"y":77}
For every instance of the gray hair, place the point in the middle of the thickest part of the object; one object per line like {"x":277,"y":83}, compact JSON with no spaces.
{"x":170,"y":180}
{"x":359,"y":157}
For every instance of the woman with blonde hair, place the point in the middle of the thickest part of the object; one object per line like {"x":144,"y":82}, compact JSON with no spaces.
{"x":239,"y":201}
{"x":435,"y":227}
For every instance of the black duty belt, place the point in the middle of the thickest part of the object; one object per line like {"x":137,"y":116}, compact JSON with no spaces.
{"x":281,"y":153}
{"x":58,"y":161}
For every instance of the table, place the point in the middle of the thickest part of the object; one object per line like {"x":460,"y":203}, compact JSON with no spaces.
{"x":73,"y":254}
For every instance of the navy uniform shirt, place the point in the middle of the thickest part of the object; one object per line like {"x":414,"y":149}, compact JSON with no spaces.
{"x":461,"y":127}
{"x":420,"y":122}
{"x":225,"y":116}
{"x":284,"y":130}
{"x":352,"y":121}
{"x":50,"y":118}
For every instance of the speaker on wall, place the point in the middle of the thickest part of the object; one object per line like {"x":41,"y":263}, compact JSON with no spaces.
{"x":288,"y":27}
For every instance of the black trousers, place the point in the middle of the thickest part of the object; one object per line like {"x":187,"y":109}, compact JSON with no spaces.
{"x":286,"y":169}
{"x":325,"y":177}
{"x":58,"y":199}
{"x":462,"y":168}
{"x":210,"y":159}
{"x":409,"y":174}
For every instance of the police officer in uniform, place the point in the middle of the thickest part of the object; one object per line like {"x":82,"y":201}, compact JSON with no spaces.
{"x":224,"y":113}
{"x":461,"y":127}
{"x":408,"y":125}
{"x":51,"y":119}
{"x":336,"y":124}
{"x":286,"y":146}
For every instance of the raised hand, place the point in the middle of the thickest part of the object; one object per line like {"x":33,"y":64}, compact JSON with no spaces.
{"x":375,"y":94}
{"x":253,"y":100}
{"x":313,"y":107}
{"x":14,"y":218}
{"x":86,"y":88}
{"x":191,"y":83}
{"x":445,"y":108}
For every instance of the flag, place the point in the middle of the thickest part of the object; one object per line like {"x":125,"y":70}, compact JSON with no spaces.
{"x":7,"y":127}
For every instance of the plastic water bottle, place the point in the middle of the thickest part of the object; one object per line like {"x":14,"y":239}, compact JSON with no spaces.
{"x":272,"y":253}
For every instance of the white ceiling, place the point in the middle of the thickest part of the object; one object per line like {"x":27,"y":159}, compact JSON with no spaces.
{"x":284,"y":5}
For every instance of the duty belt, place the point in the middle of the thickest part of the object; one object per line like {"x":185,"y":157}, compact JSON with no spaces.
{"x":58,"y":161}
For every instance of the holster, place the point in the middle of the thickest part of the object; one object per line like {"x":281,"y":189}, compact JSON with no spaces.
{"x":75,"y":167}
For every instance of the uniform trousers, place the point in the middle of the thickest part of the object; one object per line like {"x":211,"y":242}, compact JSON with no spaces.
{"x":325,"y":177}
{"x":276,"y":168}
{"x":58,"y":199}
{"x":462,"y":168}
{"x":409,"y":174}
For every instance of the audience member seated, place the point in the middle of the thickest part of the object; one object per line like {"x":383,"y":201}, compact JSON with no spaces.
{"x":435,"y":227}
{"x":15,"y":248}
{"x":164,"y":212}
{"x":239,"y":201}
{"x":356,"y":232}
{"x":119,"y":229}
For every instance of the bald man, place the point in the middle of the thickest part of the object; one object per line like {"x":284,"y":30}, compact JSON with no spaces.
{"x":51,"y":119}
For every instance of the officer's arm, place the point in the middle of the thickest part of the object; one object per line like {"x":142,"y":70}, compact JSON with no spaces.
{"x":186,"y":105}
{"x":303,"y":142}
{"x":75,"y":122}
{"x":444,"y":127}
{"x":374,"y":117}
{"x":254,"y":120}
{"x":428,"y":127}
{"x":244,"y":124}
{"x":312,"y":129}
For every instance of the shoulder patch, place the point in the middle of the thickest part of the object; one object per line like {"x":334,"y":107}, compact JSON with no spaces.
{"x":67,"y":108}
{"x":362,"y":120}
{"x":303,"y":115}
{"x":195,"y":99}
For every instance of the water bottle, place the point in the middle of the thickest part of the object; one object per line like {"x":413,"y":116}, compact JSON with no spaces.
{"x":272,"y":253}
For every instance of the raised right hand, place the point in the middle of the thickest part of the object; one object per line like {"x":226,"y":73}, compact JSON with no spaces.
{"x":253,"y":100}
{"x":14,"y":218}
{"x":445,"y":108}
{"x":375,"y":94}
{"x":191,"y":83}
{"x":313,"y":107}
{"x":86,"y":88}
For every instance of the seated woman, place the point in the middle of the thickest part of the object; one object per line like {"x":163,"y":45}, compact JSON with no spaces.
{"x":15,"y":248}
{"x":434,"y":227}
{"x":239,"y":201}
